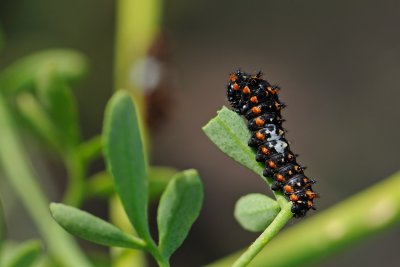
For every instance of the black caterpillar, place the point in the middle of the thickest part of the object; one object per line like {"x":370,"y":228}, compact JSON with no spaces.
{"x":257,"y":100}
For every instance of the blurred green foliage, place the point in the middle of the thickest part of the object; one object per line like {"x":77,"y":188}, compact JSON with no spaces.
{"x":179,"y":205}
{"x":25,"y":254}
{"x":21,"y":75}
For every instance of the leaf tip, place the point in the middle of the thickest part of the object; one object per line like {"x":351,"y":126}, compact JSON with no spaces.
{"x":53,"y":206}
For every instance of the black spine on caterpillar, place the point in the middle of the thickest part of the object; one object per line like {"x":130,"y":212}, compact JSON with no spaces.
{"x":257,"y":100}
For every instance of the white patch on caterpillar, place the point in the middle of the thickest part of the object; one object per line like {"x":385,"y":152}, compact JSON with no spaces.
{"x":270,"y":129}
{"x":280,"y":146}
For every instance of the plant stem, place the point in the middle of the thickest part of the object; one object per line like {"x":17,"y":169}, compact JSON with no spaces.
{"x":75,"y":192}
{"x":279,"y":222}
{"x":90,"y":150}
{"x":153,"y":249}
{"x":20,"y":173}
{"x":137,"y":24}
{"x":280,"y":198}
{"x":354,"y":219}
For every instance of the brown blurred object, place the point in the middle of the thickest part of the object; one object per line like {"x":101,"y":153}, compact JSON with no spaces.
{"x":159,"y":97}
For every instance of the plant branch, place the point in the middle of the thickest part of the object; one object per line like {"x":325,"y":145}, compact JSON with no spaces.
{"x":76,"y":187}
{"x":90,"y":150}
{"x":279,"y":222}
{"x":155,"y":252}
{"x":353,"y":220}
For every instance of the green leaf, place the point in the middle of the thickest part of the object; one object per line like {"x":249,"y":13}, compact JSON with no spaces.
{"x":94,"y":229}
{"x":179,"y":207}
{"x":125,"y":159}
{"x":229,"y":132}
{"x":23,"y":255}
{"x":159,"y":177}
{"x":255,"y":212}
{"x":59,"y":102}
{"x":69,"y":64}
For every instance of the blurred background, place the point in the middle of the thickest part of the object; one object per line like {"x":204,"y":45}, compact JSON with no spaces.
{"x":338,"y":63}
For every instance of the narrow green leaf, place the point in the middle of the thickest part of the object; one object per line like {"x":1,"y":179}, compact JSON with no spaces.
{"x":59,"y":102}
{"x":69,"y":64}
{"x":94,"y":229}
{"x":229,"y":132}
{"x":179,"y":207}
{"x":24,"y":255}
{"x":159,"y":177}
{"x":125,"y":159}
{"x":255,"y":212}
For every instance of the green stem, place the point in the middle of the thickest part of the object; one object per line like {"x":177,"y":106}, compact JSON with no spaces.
{"x":279,"y":222}
{"x":137,"y":23}
{"x":90,"y":150}
{"x":280,"y":198}
{"x":75,"y":192}
{"x":155,"y":252}
{"x":20,"y":173}
{"x":351,"y":221}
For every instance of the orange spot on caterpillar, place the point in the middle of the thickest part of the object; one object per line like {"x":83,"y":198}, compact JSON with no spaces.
{"x":271,"y":164}
{"x":253,"y":99}
{"x":280,"y":178}
{"x":288,"y":189}
{"x":256,"y":110}
{"x":260,"y":136}
{"x":264,"y":150}
{"x":260,"y":122}
{"x":233,"y":77}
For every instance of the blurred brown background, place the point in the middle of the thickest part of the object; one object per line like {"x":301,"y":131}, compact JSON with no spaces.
{"x":338,"y":63}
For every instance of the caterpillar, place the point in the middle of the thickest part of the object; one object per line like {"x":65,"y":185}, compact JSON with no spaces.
{"x":258,"y":101}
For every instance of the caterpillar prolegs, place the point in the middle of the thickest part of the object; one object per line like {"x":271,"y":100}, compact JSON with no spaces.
{"x":258,"y":101}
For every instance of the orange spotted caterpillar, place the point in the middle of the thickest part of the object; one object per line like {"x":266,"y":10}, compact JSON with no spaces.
{"x":257,"y":100}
